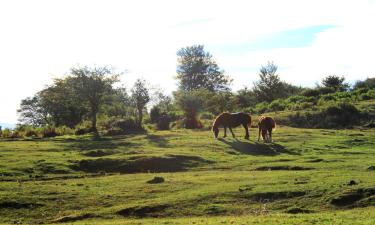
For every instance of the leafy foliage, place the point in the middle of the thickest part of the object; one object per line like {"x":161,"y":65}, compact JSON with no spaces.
{"x":197,"y":69}
{"x":140,"y":97}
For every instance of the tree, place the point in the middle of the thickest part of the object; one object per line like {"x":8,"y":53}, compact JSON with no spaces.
{"x":31,"y":112}
{"x":62,"y":104}
{"x":140,"y":96}
{"x":368,"y":83}
{"x":91,"y":85}
{"x":197,"y":69}
{"x":245,"y":98}
{"x":335,"y":82}
{"x":269,"y":87}
{"x":191,"y":103}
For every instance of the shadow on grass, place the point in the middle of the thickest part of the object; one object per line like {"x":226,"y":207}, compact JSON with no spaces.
{"x":158,"y":140}
{"x":140,"y":164}
{"x":254,"y":148}
{"x":98,"y":144}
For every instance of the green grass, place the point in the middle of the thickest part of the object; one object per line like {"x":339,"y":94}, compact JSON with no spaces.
{"x":302,"y":178}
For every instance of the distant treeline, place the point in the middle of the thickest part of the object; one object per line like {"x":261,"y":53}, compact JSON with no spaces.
{"x":91,"y":99}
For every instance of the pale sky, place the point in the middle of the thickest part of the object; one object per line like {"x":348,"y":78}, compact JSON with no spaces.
{"x":43,"y":39}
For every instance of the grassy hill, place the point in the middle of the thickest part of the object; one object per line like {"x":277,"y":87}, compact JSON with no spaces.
{"x":306,"y":176}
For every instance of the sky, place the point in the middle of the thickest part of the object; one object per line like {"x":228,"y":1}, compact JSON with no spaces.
{"x":307,"y":40}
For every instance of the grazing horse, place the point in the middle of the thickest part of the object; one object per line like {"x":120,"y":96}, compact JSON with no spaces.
{"x":266,"y":124}
{"x":231,"y":120}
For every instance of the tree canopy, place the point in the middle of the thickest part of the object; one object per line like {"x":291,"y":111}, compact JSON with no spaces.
{"x":197,"y":69}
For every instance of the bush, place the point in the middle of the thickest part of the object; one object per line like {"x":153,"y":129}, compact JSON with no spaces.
{"x":310,"y":93}
{"x":296,"y":98}
{"x":163,"y":123}
{"x":49,"y":132}
{"x":155,"y":114}
{"x":368,"y":95}
{"x":207,"y":116}
{"x":261,"y":107}
{"x":114,"y":132}
{"x":81,"y":131}
{"x":127,"y":125}
{"x":341,"y":115}
{"x":277,"y":105}
{"x":64,"y":130}
{"x":335,"y":115}
{"x":326,"y":90}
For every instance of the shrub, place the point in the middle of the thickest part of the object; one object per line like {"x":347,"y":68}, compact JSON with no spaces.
{"x":341,"y":115}
{"x":296,"y":98}
{"x":163,"y":123}
{"x":114,"y":131}
{"x":49,"y":132}
{"x":81,"y":131}
{"x":277,"y":105}
{"x":326,"y":90}
{"x":207,"y":116}
{"x":261,"y":107}
{"x":127,"y":125}
{"x":155,"y":114}
{"x":310,"y":93}
{"x":64,"y":130}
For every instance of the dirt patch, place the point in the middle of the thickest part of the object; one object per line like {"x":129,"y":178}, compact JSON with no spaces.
{"x":298,"y":210}
{"x":351,"y":198}
{"x":314,"y":160}
{"x":356,"y":135}
{"x":273,"y":196}
{"x":139,"y":164}
{"x":156,"y":180}
{"x":99,"y":153}
{"x":143,"y":211}
{"x":73,"y":218}
{"x":18,"y":205}
{"x":266,"y":168}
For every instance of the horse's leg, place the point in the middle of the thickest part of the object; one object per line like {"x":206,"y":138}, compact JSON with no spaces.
{"x":225,"y":132}
{"x":247,"y":136}
{"x":259,"y":134}
{"x":270,"y":131}
{"x":264,"y":135}
{"x":230,"y":128}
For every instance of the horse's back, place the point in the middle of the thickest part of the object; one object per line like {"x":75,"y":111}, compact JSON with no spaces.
{"x":266,"y":122}
{"x":233,"y":119}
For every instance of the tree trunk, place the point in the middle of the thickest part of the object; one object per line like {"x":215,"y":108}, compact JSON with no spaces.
{"x":140,"y":118}
{"x":93,"y":123}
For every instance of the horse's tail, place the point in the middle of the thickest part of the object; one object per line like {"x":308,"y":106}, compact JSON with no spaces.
{"x":274,"y":125}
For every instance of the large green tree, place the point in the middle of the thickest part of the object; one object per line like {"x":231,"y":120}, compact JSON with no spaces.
{"x":197,"y":69}
{"x":61,"y":102}
{"x":91,"y":86}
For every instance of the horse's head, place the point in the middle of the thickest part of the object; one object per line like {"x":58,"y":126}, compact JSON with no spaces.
{"x":215,"y":129}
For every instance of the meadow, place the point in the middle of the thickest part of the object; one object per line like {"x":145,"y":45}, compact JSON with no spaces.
{"x":306,"y":176}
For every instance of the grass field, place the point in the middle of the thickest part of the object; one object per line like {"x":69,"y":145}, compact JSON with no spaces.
{"x":307,"y":176}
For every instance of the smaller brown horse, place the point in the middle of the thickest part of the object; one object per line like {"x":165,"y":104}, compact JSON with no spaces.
{"x":265,"y":124}
{"x":232,"y":120}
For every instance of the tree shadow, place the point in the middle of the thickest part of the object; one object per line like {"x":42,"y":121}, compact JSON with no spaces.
{"x":90,"y":144}
{"x":158,"y":140}
{"x":257,"y":148}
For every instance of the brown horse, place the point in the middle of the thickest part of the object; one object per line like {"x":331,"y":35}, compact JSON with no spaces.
{"x":231,"y":120}
{"x":266,"y":124}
